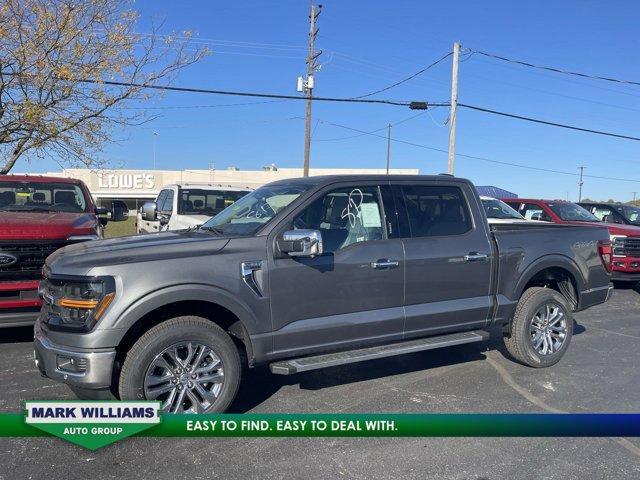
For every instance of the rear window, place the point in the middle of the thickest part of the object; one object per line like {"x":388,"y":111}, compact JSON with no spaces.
{"x":41,"y":196}
{"x":436,"y":211}
{"x":196,"y":201}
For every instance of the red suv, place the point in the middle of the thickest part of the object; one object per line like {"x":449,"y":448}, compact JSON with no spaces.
{"x":38,"y":215}
{"x":625,"y":239}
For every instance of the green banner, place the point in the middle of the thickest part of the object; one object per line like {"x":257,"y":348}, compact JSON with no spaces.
{"x":315,"y":425}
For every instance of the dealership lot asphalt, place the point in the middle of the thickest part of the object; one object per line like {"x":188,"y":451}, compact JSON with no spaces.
{"x":598,"y":374}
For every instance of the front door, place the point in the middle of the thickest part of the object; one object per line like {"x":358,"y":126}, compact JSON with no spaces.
{"x":353,"y":292}
{"x":448,"y":259}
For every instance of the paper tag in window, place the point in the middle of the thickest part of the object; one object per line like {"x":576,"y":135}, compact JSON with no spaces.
{"x":370,"y":215}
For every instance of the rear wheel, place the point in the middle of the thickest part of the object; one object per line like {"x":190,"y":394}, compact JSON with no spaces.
{"x":541,"y":328}
{"x":188,"y":364}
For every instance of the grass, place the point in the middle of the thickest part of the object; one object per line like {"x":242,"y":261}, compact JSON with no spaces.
{"x":120,"y":229}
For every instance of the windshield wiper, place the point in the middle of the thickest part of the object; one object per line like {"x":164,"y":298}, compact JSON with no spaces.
{"x":216,"y":230}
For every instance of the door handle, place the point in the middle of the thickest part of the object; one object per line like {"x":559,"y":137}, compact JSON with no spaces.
{"x":476,"y":257}
{"x":384,"y":264}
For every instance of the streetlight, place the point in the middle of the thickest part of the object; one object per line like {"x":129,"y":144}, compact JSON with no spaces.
{"x":155,"y":136}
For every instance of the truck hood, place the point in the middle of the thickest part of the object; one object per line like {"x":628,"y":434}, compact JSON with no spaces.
{"x":135,"y":249}
{"x":627,"y":230}
{"x":45,"y":225}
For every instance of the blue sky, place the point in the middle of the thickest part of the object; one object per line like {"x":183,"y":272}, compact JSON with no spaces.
{"x":260,"y":46}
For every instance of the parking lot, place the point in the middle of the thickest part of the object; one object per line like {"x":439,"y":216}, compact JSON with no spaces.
{"x":598,"y":374}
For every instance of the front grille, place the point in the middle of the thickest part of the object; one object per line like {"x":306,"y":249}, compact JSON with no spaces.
{"x":631,"y":247}
{"x":30,"y":256}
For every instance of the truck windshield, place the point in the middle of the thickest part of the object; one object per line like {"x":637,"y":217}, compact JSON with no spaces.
{"x":41,"y":196}
{"x":631,"y":214}
{"x":570,"y":212}
{"x":199,"y":201}
{"x":498,"y":209}
{"x":252,"y":211}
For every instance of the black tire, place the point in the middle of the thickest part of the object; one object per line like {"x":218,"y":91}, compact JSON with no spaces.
{"x":519,"y":342}
{"x":174,"y":331}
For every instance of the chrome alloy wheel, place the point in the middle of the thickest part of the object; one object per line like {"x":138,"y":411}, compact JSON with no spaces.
{"x":548,"y":329}
{"x":186,"y":377}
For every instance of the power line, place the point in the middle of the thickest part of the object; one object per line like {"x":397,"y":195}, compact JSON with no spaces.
{"x":406,"y":79}
{"x":547,"y":122}
{"x":476,"y":157}
{"x":399,"y":122}
{"x":557,"y":70}
{"x":401,"y":103}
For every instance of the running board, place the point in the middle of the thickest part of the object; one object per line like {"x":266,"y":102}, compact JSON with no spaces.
{"x":303,"y":364}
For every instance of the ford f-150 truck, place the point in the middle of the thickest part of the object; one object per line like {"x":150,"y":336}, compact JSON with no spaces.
{"x":308,"y":273}
{"x":37,"y":216}
{"x":625,"y":239}
{"x":183,"y":206}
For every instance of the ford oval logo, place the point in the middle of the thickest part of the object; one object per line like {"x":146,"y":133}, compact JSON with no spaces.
{"x":7,"y":259}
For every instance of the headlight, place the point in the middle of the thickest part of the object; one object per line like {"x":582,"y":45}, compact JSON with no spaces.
{"x":617,"y":243}
{"x":76,"y":305}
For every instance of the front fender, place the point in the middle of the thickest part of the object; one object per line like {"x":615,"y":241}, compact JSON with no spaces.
{"x":186,"y":292}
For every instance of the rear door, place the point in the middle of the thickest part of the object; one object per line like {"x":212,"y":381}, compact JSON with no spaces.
{"x":448,"y":258}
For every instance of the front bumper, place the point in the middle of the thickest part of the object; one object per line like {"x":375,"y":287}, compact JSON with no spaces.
{"x":620,"y":276}
{"x":88,"y":369}
{"x":19,"y":317}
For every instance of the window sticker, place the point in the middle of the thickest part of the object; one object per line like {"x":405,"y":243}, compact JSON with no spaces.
{"x":370,"y":215}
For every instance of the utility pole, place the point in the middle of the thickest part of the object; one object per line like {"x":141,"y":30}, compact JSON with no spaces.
{"x":454,"y":106}
{"x":389,"y":147}
{"x":634,"y":196}
{"x":580,"y":183}
{"x":309,"y":84}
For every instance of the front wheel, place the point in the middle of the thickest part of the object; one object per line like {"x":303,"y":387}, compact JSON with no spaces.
{"x":541,"y":328}
{"x":188,"y":364}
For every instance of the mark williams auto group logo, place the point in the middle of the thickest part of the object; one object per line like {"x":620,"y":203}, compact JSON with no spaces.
{"x":92,"y":424}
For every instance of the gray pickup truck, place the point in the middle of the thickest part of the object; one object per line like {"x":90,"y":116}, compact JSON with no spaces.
{"x":310,"y":273}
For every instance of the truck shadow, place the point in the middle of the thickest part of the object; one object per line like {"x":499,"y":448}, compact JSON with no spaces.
{"x":16,"y":335}
{"x":259,"y":384}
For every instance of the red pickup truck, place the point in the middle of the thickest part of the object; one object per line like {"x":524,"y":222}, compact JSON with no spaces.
{"x":38,"y":215}
{"x":625,"y":239}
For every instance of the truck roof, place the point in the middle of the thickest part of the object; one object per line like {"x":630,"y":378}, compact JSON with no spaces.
{"x":535,"y":200}
{"x":212,"y":186}
{"x":609,"y":204}
{"x":38,"y":179}
{"x":328,"y":179}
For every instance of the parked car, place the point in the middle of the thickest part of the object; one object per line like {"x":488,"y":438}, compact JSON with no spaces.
{"x":614,"y":212}
{"x":182,"y":206}
{"x":310,"y":273}
{"x":38,"y":215}
{"x":625,"y":238}
{"x":499,"y":212}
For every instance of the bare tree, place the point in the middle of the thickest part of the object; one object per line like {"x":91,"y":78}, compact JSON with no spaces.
{"x":55,"y":57}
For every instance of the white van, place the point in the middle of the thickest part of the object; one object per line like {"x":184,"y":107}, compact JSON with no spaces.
{"x":186,"y":205}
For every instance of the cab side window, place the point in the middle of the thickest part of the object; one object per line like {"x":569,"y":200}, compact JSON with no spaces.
{"x":436,"y":210}
{"x":601,"y":212}
{"x":531,"y":211}
{"x":167,"y":205}
{"x":344,"y":216}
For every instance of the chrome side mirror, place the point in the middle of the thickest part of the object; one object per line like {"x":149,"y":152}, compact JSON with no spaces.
{"x":301,"y":243}
{"x":150,"y":211}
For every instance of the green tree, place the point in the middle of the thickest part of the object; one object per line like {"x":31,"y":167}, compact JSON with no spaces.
{"x":55,"y":56}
